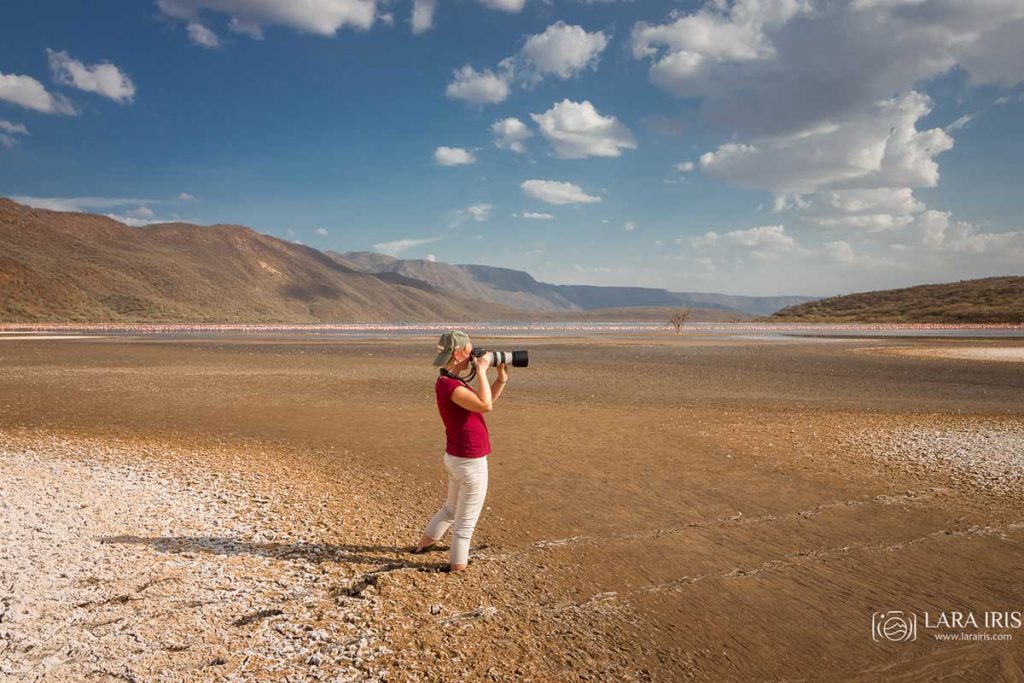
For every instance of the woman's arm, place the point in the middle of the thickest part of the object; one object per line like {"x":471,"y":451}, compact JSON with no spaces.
{"x":498,"y":385}
{"x":481,"y":401}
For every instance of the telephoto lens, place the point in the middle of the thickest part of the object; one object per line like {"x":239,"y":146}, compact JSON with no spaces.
{"x":517,"y":359}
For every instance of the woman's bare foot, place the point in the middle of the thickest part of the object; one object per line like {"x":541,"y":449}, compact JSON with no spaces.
{"x":425,"y":542}
{"x":457,"y":567}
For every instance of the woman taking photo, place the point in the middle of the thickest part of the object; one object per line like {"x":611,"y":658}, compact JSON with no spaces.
{"x":468,"y":443}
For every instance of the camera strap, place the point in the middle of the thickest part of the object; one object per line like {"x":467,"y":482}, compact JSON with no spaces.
{"x":449,"y":375}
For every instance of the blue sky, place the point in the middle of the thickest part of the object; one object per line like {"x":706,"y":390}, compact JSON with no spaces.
{"x":748,"y":147}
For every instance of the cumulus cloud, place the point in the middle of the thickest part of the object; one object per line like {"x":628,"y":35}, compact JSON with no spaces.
{"x":765,"y":241}
{"x":27,"y":92}
{"x":937,"y":231}
{"x":839,"y":250}
{"x":510,"y":6}
{"x":8,"y":130}
{"x":248,"y":17}
{"x":202,"y":36}
{"x":629,"y":226}
{"x":577,"y":130}
{"x":555,"y":192}
{"x":562,"y":51}
{"x":769,"y":67}
{"x":531,"y":216}
{"x":510,"y":133}
{"x":185,"y":197}
{"x":477,"y":87}
{"x":453,"y":156}
{"x":430,"y":257}
{"x":685,"y":166}
{"x":103,"y":79}
{"x":479,"y":212}
{"x":321,"y":232}
{"x":396,"y":247}
{"x":882,"y":149}
{"x":423,"y":15}
{"x":825,"y":98}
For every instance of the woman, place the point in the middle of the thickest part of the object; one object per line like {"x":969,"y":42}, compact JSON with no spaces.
{"x":468,"y":442}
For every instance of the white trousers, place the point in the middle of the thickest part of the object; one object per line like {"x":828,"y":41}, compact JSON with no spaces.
{"x":467,"y":488}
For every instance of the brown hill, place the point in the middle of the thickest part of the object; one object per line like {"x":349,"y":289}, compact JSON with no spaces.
{"x":79,"y":267}
{"x":988,"y":300}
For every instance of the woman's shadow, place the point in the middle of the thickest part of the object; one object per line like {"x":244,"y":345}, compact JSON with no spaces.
{"x":310,"y":552}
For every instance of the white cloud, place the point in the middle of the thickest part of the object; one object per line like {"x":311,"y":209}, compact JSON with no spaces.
{"x":891,"y":200}
{"x":80,"y":203}
{"x":510,"y":133}
{"x":764,"y":240}
{"x":629,"y":226}
{"x":130,"y":211}
{"x":27,"y":92}
{"x":531,"y":216}
{"x":577,"y":130}
{"x":453,"y":156}
{"x":322,"y":17}
{"x":477,"y":87}
{"x":322,"y":232}
{"x":13,"y":128}
{"x":824,"y":100}
{"x":878,"y":148}
{"x":479,"y":212}
{"x":555,"y":192}
{"x":396,"y":247}
{"x":200,"y":35}
{"x":961,"y":122}
{"x":760,"y":72}
{"x":103,"y":79}
{"x":839,"y":250}
{"x":185,"y":197}
{"x":8,"y":130}
{"x":423,"y":15}
{"x":430,"y":257}
{"x":561,"y":50}
{"x":510,"y":6}
{"x":938,"y":232}
{"x":685,"y":166}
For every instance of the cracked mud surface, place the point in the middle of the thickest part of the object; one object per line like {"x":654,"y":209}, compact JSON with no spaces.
{"x":659,"y":509}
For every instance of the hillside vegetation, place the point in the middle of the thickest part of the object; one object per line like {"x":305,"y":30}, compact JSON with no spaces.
{"x":988,"y":300}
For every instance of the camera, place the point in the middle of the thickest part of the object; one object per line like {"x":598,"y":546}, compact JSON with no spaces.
{"x":517,"y":359}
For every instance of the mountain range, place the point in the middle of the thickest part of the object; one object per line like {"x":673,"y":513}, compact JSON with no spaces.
{"x":60,"y":266}
{"x":519,"y":289}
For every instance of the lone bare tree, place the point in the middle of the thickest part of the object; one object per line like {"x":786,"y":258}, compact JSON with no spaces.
{"x":677,"y":318}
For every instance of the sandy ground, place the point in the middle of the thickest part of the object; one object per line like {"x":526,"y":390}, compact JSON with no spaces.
{"x":660,"y":509}
{"x":983,"y":353}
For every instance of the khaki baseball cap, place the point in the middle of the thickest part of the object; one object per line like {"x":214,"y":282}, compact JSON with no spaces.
{"x":446,"y":345}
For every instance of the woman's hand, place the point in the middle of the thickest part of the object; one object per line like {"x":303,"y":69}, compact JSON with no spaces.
{"x":503,"y":372}
{"x":482,"y":363}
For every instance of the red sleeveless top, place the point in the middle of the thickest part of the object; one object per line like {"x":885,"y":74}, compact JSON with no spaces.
{"x":466,"y":431}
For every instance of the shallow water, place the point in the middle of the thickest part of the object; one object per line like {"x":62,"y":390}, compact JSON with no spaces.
{"x":566,"y":328}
